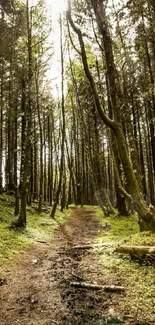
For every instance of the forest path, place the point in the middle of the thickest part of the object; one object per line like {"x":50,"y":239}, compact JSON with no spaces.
{"x":38,"y":291}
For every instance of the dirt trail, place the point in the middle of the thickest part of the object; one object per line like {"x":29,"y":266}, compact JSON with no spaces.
{"x":38,"y":292}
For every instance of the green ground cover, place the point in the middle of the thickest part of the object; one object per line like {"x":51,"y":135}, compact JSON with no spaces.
{"x":137,"y":276}
{"x":39,"y":227}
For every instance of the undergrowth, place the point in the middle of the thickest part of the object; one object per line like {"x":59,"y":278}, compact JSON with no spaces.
{"x":137,"y":277}
{"x":39,"y":227}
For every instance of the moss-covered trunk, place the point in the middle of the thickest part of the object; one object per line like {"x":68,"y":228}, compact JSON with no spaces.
{"x":22,"y":216}
{"x":146,"y":216}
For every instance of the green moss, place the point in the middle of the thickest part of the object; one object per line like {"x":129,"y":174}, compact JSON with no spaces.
{"x":139,"y":280}
{"x":39,"y":227}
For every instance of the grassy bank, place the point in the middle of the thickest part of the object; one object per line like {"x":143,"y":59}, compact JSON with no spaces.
{"x":39,"y":227}
{"x":137,"y":276}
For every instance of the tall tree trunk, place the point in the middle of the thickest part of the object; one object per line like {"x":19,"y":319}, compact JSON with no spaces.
{"x":1,"y":125}
{"x":35,"y":164}
{"x":16,"y":162}
{"x":45,"y":162}
{"x":63,"y":127}
{"x":146,"y":216}
{"x":10,"y":163}
{"x":41,"y":179}
{"x":26,"y":131}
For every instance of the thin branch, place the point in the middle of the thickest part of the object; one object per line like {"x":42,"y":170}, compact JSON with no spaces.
{"x":70,"y":37}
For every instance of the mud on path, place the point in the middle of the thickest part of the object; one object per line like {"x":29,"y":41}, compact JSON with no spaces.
{"x":38,"y":291}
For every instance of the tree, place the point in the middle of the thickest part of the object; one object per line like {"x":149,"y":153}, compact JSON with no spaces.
{"x":146,"y":217}
{"x":63,"y":127}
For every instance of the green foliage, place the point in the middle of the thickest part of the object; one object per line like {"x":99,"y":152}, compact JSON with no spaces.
{"x":126,"y":230}
{"x":121,"y":227}
{"x":136,"y":277}
{"x":39,"y":227}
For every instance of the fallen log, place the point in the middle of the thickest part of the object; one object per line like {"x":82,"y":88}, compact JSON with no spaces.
{"x":42,"y":242}
{"x":86,"y":285}
{"x":135,"y":249}
{"x":89,"y":246}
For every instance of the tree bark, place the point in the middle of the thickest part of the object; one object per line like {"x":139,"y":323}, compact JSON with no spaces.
{"x":41,"y":180}
{"x":26,"y":128}
{"x":15,"y":163}
{"x":63,"y":128}
{"x":1,"y":124}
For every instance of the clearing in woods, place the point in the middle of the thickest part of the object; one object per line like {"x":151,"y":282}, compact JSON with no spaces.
{"x":38,"y":291}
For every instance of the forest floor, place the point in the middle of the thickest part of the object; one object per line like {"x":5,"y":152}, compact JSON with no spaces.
{"x":36,"y":290}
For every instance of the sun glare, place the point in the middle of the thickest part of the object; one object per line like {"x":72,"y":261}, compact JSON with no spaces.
{"x":57,"y":6}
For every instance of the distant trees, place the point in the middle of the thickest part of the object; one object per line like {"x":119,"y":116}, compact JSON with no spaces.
{"x":26,"y":103}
